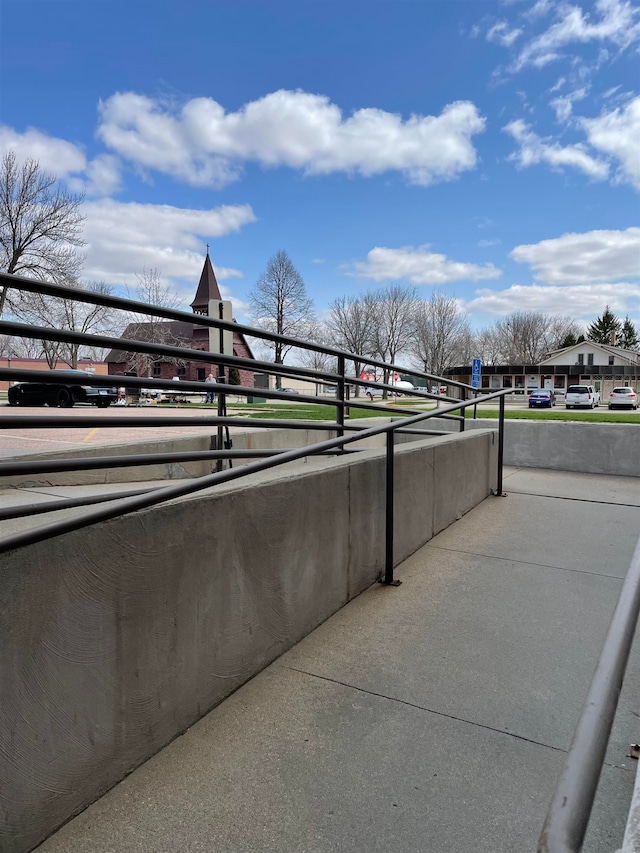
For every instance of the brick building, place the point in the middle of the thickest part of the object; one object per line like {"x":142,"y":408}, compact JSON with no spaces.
{"x":180,"y":334}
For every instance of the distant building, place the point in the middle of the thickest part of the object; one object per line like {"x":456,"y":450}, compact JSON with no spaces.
{"x":181,"y":334}
{"x":97,"y":367}
{"x":600,"y":365}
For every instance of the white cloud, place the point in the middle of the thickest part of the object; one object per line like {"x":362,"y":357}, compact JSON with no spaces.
{"x":534,"y":149}
{"x":419,"y":266}
{"x":539,"y":9}
{"x":503,"y":34}
{"x":579,"y":301}
{"x":124,"y":238}
{"x":617,"y":133}
{"x":618,"y":24}
{"x":57,"y":156}
{"x":66,"y":161}
{"x":558,"y":85}
{"x":484,"y":244}
{"x":103,"y":176}
{"x":595,"y":256}
{"x":201,"y":144}
{"x":563,"y":105}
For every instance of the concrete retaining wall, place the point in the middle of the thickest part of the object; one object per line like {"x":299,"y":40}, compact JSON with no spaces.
{"x":117,"y":638}
{"x":242,"y":440}
{"x":591,"y":448}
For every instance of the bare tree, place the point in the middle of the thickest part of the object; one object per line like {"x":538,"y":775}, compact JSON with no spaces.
{"x":395,"y":310}
{"x":488,"y":346}
{"x":149,"y":328}
{"x":14,"y":347}
{"x":40,"y":224}
{"x":525,"y":337}
{"x":442,"y":334}
{"x":351,"y":325}
{"x":560,"y":330}
{"x":280,"y":305}
{"x":66,"y":314}
{"x":314,"y":360}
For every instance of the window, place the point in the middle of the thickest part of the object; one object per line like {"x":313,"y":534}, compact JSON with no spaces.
{"x":507,"y":382}
{"x":485,"y":381}
{"x":558,"y":383}
{"x":611,"y":359}
{"x":200,"y":374}
{"x":581,"y":359}
{"x":590,"y":358}
{"x":182,"y":371}
{"x":157,"y":370}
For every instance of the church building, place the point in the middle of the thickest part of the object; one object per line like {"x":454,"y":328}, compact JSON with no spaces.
{"x":180,"y":333}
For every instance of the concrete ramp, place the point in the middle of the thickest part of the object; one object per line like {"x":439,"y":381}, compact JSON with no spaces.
{"x":117,"y":638}
{"x":430,"y":717}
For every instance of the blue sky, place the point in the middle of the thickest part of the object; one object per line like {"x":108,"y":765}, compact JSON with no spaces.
{"x":490,"y":150}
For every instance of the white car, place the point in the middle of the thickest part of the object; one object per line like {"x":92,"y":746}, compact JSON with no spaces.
{"x":623,"y":397}
{"x":581,"y":396}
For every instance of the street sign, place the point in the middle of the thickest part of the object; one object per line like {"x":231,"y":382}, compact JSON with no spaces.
{"x":475,"y":372}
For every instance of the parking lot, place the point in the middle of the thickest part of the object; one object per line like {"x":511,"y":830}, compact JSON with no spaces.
{"x":18,"y":441}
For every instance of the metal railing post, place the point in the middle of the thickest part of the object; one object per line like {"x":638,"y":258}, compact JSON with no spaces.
{"x":222,"y":398}
{"x":388,"y":527}
{"x":341,"y":395}
{"x":499,"y":491}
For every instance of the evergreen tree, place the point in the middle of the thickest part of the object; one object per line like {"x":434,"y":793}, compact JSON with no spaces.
{"x":629,"y":335}
{"x":568,"y":341}
{"x":602,"y":329}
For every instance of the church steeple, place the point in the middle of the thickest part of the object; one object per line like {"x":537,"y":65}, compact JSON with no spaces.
{"x":207,"y":288}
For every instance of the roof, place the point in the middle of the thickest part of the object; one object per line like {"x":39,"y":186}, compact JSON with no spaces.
{"x":207,"y":288}
{"x":631,"y":356}
{"x":176,"y":333}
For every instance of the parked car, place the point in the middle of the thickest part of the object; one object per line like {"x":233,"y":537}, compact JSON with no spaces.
{"x":581,"y":396}
{"x":63,"y":394}
{"x":623,"y":397}
{"x":287,"y":390}
{"x":542,"y":398}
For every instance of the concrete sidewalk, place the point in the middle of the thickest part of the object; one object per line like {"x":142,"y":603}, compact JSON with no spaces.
{"x":430,"y":717}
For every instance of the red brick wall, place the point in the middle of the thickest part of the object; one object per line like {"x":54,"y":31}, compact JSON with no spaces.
{"x":200,"y":342}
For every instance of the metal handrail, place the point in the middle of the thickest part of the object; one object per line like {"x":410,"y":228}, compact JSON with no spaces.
{"x":143,"y":501}
{"x":131,"y":305}
{"x":568,"y":816}
{"x":105,"y":506}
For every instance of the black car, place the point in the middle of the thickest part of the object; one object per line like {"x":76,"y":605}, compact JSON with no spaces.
{"x":63,"y":394}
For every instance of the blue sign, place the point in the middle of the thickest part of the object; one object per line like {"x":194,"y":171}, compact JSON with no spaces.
{"x":475,"y":372}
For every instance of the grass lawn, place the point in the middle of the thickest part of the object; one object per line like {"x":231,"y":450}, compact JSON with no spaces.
{"x":300,"y":412}
{"x":592,"y":415}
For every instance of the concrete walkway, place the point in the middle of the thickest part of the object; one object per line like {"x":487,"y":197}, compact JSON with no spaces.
{"x":430,"y":717}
